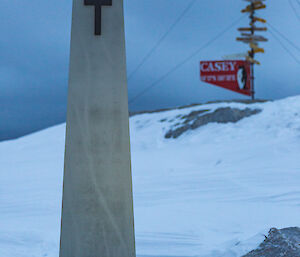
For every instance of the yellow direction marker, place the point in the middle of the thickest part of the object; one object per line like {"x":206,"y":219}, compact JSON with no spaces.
{"x":255,"y":19}
{"x":254,"y":28}
{"x":257,"y":50}
{"x":249,"y":8}
{"x":259,"y":19}
{"x":251,"y":60}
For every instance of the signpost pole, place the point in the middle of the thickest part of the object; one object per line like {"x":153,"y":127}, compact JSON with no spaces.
{"x":97,"y":213}
{"x":252,"y":51}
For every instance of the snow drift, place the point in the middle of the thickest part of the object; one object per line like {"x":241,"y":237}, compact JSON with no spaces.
{"x":213,"y":191}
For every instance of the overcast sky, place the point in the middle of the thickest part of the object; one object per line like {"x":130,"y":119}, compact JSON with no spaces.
{"x":34,"y":50}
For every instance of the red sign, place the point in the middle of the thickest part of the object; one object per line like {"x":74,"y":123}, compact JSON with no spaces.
{"x":233,"y":75}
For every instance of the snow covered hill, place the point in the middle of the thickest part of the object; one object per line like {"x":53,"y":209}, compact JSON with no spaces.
{"x":213,"y":191}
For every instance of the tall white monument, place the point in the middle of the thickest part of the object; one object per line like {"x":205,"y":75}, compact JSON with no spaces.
{"x":97,"y":214}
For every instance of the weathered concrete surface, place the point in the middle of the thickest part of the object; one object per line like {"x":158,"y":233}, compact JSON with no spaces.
{"x":279,"y":243}
{"x":197,"y":119}
{"x":97,"y":216}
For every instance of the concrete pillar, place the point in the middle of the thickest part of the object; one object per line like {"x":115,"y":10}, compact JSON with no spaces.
{"x":97,"y":214}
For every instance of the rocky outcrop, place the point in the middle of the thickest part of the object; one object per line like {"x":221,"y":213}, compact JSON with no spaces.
{"x":248,"y":102}
{"x":279,"y":243}
{"x":197,"y":119}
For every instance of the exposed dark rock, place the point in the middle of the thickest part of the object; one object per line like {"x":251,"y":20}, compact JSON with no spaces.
{"x":279,"y":243}
{"x":193,"y":115}
{"x":133,"y":113}
{"x":196,"y":119}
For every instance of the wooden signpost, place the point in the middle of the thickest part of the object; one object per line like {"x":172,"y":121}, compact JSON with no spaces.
{"x":251,"y":38}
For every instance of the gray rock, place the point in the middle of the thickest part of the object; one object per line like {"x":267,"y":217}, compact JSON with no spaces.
{"x":248,"y":102}
{"x":197,"y":119}
{"x":279,"y":243}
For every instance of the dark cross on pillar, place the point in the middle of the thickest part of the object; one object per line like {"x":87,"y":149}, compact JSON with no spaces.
{"x":98,"y":4}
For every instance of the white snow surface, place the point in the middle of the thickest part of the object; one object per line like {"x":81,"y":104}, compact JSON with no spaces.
{"x":214,"y":191}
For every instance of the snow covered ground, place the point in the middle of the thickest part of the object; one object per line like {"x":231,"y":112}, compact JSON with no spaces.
{"x":214,"y":191}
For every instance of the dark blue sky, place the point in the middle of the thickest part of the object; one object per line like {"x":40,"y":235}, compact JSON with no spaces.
{"x":34,"y":50}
